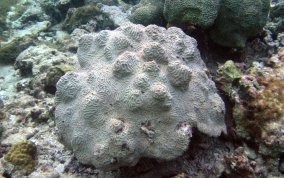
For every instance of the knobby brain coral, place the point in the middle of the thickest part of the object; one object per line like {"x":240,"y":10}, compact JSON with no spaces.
{"x":231,"y":22}
{"x":238,"y":20}
{"x":148,"y":12}
{"x":22,"y":156}
{"x":137,"y":92}
{"x":202,"y":13}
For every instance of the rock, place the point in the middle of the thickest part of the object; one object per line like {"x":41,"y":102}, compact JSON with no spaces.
{"x":8,"y":78}
{"x":276,"y":22}
{"x":258,"y":110}
{"x":3,"y":149}
{"x":238,"y":165}
{"x":138,"y":95}
{"x":24,"y":22}
{"x":131,"y":1}
{"x":204,"y":158}
{"x":57,"y":10}
{"x":25,"y":67}
{"x":5,"y":7}
{"x":41,"y":58}
{"x":39,"y":115}
{"x":281,"y":167}
{"x":22,"y":134}
{"x":277,"y":10}
{"x":227,"y":74}
{"x":105,"y":2}
{"x":61,"y":36}
{"x":82,"y":15}
{"x":116,"y":14}
{"x":1,"y":131}
{"x":3,"y":115}
{"x":249,"y":152}
{"x":181,"y":175}
{"x":1,"y":104}
{"x":11,"y":49}
{"x":72,"y":44}
{"x":52,"y":77}
{"x":24,"y":15}
{"x":46,"y":175}
{"x":47,"y":66}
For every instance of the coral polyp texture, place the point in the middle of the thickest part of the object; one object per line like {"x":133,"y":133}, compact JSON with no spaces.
{"x":148,"y":12}
{"x":202,"y":13}
{"x":22,"y":156}
{"x":137,"y":92}
{"x":238,"y":20}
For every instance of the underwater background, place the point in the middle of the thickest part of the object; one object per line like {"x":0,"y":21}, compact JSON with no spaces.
{"x":142,"y":88}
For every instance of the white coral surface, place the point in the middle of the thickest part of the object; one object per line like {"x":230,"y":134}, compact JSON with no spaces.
{"x":137,"y":92}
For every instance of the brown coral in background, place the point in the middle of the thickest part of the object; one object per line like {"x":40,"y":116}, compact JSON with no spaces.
{"x":268,"y":104}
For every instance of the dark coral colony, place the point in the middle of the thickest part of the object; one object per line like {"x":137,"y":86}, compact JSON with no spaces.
{"x":141,"y":88}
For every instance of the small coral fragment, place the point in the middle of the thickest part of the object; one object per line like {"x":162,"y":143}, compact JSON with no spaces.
{"x":22,"y":156}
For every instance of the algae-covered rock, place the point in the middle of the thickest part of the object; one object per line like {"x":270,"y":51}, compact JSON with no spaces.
{"x":1,"y":130}
{"x":276,"y":23}
{"x":25,"y":67}
{"x":277,"y":10}
{"x":1,"y":104}
{"x":226,"y":75}
{"x":53,"y":75}
{"x":22,"y":156}
{"x":24,"y":21}
{"x":40,"y":115}
{"x":136,"y":92}
{"x":240,"y":121}
{"x":259,"y":106}
{"x":3,"y":115}
{"x":41,"y":58}
{"x":5,"y":7}
{"x":239,"y":165}
{"x":148,"y":12}
{"x":269,"y":103}
{"x":24,"y":16}
{"x":58,"y":9}
{"x":130,"y":1}
{"x":196,"y":12}
{"x":82,"y":15}
{"x":238,"y":20}
{"x":11,"y":49}
{"x":106,"y":2}
{"x":281,"y":166}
